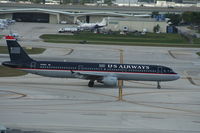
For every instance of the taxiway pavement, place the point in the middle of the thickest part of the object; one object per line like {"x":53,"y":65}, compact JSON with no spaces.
{"x":54,"y":105}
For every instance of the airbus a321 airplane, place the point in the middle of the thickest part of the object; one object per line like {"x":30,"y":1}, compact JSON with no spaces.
{"x":106,"y":73}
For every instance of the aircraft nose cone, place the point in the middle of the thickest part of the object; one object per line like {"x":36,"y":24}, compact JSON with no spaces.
{"x":177,"y":76}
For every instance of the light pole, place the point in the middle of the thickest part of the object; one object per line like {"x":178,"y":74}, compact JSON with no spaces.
{"x":120,"y":82}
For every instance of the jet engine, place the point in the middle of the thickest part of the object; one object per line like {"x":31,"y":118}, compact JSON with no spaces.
{"x":110,"y":81}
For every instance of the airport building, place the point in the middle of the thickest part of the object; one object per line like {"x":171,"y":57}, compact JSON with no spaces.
{"x":136,"y":24}
{"x":55,"y":16}
{"x":115,"y":21}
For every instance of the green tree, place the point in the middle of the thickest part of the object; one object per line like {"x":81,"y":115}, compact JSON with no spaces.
{"x":156,"y":28}
{"x":67,"y":1}
{"x":191,"y":17}
{"x":21,"y":0}
{"x":154,"y":13}
{"x":77,"y":2}
{"x":37,"y":1}
{"x":109,"y":2}
{"x":175,"y":19}
{"x":82,"y":2}
{"x":187,"y":17}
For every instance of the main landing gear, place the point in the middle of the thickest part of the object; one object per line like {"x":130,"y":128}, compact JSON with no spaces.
{"x":158,"y":85}
{"x":91,"y":83}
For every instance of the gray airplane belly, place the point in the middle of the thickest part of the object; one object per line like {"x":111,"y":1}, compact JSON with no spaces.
{"x":51,"y":73}
{"x":146,"y":77}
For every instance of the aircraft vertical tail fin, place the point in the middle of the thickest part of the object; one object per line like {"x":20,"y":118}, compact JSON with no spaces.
{"x":78,"y":22}
{"x":103,"y":22}
{"x":16,"y":52}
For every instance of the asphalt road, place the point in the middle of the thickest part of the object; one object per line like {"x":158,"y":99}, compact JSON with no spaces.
{"x":78,"y":8}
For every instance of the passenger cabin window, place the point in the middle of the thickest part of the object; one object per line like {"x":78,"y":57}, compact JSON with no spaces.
{"x":102,"y":65}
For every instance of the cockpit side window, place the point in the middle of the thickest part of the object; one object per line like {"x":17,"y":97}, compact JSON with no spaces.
{"x":169,"y":70}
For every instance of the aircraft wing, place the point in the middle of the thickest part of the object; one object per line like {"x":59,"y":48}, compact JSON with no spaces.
{"x":88,"y":75}
{"x":98,"y":26}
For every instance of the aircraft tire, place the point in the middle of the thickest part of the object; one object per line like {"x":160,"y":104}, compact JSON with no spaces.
{"x":91,"y":84}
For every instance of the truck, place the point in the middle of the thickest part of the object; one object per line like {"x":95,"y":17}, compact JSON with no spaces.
{"x":71,"y":30}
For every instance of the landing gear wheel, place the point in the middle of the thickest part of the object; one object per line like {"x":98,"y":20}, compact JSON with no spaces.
{"x":91,"y":84}
{"x":158,"y":85}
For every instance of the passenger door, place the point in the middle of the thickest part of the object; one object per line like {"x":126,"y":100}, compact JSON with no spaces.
{"x":33,"y":65}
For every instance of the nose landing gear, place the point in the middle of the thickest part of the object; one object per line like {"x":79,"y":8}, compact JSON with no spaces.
{"x":158,"y":85}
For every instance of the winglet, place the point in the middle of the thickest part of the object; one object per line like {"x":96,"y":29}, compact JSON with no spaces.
{"x":10,"y":38}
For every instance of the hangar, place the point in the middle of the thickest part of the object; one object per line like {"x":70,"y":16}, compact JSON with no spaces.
{"x":31,"y":17}
{"x":55,"y":16}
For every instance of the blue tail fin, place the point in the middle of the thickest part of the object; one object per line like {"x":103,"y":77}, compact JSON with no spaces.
{"x":16,"y":52}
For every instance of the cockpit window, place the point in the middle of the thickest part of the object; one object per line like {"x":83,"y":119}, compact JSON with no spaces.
{"x":171,"y":71}
{"x":168,"y":70}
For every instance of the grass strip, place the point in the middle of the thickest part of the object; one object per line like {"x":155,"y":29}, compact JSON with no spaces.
{"x":196,"y":40}
{"x":4,"y":50}
{"x":150,"y":39}
{"x":10,"y":72}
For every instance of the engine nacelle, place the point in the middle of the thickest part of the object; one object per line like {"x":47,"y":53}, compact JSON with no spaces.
{"x":110,"y":81}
